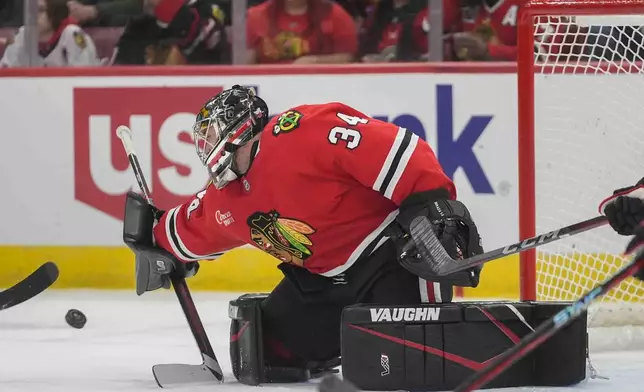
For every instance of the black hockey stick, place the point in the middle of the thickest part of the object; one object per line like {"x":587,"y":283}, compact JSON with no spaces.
{"x":167,"y":374}
{"x":433,"y":259}
{"x":548,"y":328}
{"x":34,"y":284}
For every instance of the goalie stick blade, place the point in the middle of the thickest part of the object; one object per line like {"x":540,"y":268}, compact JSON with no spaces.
{"x":333,"y":383}
{"x":180,"y":374}
{"x":177,"y":374}
{"x":29,"y":287}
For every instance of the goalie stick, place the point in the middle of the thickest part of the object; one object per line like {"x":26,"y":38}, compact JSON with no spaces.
{"x":432,"y":256}
{"x":167,"y":374}
{"x":548,"y":328}
{"x":34,"y":284}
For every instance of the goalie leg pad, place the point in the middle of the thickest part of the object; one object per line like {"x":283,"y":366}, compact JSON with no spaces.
{"x":246,"y":341}
{"x":436,"y":347}
{"x":255,"y":355}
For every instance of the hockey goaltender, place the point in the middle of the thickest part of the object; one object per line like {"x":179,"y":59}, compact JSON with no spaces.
{"x":330,"y":192}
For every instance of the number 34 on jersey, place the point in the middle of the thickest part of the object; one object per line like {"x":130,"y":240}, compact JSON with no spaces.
{"x":351,"y":136}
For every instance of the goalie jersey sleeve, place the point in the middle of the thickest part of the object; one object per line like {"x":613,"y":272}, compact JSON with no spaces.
{"x":194,"y":231}
{"x":389,"y":159}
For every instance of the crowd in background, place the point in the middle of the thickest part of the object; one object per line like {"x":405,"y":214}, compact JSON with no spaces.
{"x":172,"y":32}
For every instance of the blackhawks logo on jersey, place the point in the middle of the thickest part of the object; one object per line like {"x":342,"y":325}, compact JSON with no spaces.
{"x":287,"y":122}
{"x":284,"y":238}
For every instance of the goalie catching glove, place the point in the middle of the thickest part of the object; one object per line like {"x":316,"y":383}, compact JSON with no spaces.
{"x":154,"y":265}
{"x":625,"y":208}
{"x":453,"y":226}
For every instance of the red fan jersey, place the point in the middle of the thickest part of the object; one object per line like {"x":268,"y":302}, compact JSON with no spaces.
{"x":496,"y":21}
{"x":294,"y":35}
{"x":326,"y":182}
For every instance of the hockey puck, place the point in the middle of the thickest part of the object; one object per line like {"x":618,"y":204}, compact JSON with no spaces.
{"x":75,"y":318}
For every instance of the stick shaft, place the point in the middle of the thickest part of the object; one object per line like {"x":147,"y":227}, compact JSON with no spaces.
{"x":534,"y":242}
{"x":125,"y":134}
{"x":439,"y":262}
{"x":143,"y":185}
{"x":190,"y":310}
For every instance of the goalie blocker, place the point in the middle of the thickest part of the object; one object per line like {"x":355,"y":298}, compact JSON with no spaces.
{"x":436,"y":347}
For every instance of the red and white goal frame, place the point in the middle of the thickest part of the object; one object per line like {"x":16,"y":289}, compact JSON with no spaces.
{"x":581,"y":135}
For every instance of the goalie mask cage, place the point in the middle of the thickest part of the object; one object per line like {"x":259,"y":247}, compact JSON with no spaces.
{"x":581,"y":136}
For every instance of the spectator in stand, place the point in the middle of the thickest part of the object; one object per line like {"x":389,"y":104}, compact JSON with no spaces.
{"x":62,"y":41}
{"x":358,"y":9}
{"x":175,"y":32}
{"x":396,"y":30}
{"x":489,"y":30}
{"x":11,"y":13}
{"x":104,"y":12}
{"x":300,"y":32}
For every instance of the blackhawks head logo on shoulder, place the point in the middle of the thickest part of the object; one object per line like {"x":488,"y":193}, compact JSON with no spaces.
{"x":287,"y":122}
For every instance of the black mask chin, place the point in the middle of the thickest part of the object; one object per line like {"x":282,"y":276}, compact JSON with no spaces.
{"x":253,"y":153}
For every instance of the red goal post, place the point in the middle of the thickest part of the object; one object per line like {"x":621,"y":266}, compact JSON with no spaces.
{"x":560,"y":56}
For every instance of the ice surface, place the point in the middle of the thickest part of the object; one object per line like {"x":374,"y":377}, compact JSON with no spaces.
{"x":125,"y":335}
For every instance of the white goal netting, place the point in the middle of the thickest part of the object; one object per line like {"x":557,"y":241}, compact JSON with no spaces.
{"x":589,"y":140}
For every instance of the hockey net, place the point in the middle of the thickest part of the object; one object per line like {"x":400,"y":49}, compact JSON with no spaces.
{"x":581,"y":116}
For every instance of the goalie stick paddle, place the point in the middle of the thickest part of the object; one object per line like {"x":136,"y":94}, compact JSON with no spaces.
{"x":167,"y":374}
{"x":434,"y":257}
{"x":548,"y":328}
{"x":34,"y":284}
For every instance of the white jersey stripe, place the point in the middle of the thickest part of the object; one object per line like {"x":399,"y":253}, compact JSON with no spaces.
{"x":389,"y":160}
{"x":402,"y":165}
{"x":357,"y":252}
{"x":437,"y":292}
{"x":422,"y":286}
{"x":178,"y":247}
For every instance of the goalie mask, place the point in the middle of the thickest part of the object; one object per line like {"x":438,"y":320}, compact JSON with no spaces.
{"x":227,"y":122}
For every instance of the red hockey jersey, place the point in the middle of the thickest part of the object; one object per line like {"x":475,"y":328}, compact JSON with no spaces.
{"x":326,"y":182}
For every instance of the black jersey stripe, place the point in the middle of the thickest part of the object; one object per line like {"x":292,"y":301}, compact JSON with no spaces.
{"x":172,"y":234}
{"x":393,"y":167}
